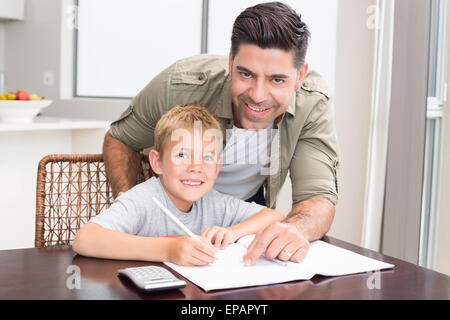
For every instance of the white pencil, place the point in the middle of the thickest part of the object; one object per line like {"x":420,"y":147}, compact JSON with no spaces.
{"x":175,"y":219}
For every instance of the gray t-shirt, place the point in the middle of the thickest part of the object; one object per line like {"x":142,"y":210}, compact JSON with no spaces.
{"x":134,"y":212}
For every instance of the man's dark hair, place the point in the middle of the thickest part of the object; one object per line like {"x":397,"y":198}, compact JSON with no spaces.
{"x":272,"y":25}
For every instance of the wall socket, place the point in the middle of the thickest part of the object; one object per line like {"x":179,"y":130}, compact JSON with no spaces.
{"x":49,"y":78}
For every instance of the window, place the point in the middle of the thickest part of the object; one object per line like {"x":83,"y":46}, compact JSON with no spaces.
{"x":121,"y":45}
{"x":434,"y":241}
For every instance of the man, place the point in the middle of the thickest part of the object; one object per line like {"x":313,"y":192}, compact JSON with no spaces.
{"x":264,"y":84}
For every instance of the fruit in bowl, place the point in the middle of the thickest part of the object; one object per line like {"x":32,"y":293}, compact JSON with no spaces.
{"x":21,"y":107}
{"x":21,"y":94}
{"x":35,"y":97}
{"x":11,"y":96}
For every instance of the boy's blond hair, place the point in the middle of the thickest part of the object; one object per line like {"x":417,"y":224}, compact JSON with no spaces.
{"x":183,"y":117}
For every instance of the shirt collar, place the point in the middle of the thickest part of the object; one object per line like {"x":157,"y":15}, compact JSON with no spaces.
{"x":291,"y":107}
{"x":225,"y":108}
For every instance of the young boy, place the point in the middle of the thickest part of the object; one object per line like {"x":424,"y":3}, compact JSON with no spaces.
{"x":186,"y":158}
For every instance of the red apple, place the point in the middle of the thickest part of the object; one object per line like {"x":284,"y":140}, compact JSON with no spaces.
{"x":22,"y":95}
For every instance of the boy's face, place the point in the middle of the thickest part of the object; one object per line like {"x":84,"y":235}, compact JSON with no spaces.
{"x":189,"y":166}
{"x":263,"y":82}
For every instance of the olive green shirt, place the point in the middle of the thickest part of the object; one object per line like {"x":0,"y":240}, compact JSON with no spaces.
{"x":305,"y":143}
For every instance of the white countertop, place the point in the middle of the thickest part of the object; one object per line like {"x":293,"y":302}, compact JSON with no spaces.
{"x":52,"y":123}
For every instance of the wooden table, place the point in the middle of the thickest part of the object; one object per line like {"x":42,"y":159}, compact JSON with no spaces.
{"x":46,"y":273}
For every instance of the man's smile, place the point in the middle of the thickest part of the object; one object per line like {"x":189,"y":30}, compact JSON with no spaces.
{"x":257,"y":109}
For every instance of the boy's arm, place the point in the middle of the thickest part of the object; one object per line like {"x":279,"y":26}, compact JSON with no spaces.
{"x":256,"y":223}
{"x":95,"y":241}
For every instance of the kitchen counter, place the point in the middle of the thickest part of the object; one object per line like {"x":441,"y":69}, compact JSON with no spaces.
{"x":50,"y":123}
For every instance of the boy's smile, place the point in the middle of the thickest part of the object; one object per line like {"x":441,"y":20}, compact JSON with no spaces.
{"x":192,"y":182}
{"x":188,"y":168}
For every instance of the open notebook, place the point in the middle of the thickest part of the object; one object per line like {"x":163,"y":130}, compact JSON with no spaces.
{"x":228,"y":271}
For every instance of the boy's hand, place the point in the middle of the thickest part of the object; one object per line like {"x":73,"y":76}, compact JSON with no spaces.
{"x":219,"y":236}
{"x":187,"y":251}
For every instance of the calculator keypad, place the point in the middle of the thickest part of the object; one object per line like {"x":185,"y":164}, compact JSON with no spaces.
{"x":151,"y":273}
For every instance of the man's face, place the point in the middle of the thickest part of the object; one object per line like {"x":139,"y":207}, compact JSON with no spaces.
{"x":189,"y":166}
{"x":262,"y":84}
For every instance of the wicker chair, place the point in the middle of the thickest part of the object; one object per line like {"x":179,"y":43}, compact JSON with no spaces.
{"x":70,"y":190}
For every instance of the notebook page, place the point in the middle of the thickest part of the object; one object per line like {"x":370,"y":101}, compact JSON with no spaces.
{"x":228,"y":271}
{"x":329,"y":260}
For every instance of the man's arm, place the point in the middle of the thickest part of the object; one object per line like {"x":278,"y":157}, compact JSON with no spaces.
{"x":122,"y":164}
{"x":312,"y":217}
{"x":255,"y":223}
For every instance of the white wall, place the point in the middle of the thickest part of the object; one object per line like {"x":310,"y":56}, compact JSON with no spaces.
{"x":34,"y":47}
{"x":355,"y":47}
{"x":2,"y":47}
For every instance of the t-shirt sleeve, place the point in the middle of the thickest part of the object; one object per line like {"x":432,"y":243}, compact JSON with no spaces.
{"x":123,"y":216}
{"x":237,"y":210}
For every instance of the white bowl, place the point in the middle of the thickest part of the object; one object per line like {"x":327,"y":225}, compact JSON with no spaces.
{"x":21,"y":111}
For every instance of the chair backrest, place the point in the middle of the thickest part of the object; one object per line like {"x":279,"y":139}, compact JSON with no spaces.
{"x":72,"y":188}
